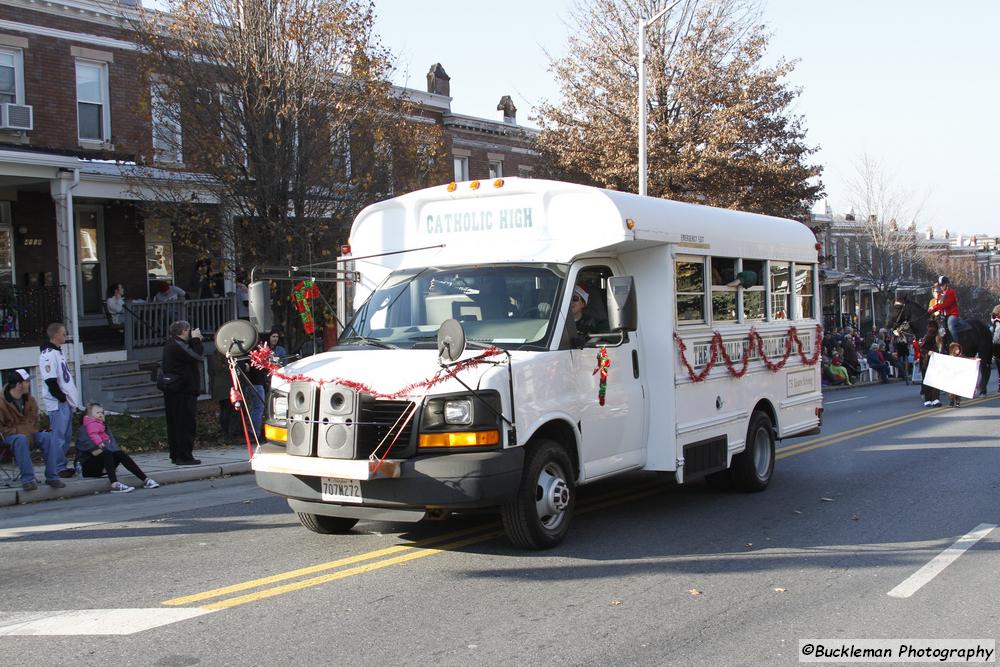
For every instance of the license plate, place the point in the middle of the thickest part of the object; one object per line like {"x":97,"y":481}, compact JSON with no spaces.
{"x":341,"y":490}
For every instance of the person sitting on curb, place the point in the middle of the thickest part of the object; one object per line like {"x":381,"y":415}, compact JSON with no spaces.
{"x":839,"y":372}
{"x":19,"y":431}
{"x":98,"y":452}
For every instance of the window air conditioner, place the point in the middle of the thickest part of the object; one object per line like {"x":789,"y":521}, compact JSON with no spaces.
{"x":16,"y":117}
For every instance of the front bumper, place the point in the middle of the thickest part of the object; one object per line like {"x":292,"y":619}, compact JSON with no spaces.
{"x":433,"y":481}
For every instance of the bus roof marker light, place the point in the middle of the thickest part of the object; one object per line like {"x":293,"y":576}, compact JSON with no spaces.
{"x":498,"y":183}
{"x":452,"y":186}
{"x":474,"y":185}
{"x":630,"y":223}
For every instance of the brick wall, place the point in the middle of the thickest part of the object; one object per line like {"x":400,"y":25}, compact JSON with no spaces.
{"x":50,"y":87}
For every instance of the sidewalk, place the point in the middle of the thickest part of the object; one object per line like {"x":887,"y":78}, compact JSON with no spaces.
{"x":215,"y":462}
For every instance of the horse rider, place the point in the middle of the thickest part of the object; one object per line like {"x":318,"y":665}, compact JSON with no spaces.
{"x":947,"y":306}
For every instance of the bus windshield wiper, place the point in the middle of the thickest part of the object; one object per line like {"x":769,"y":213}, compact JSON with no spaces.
{"x":370,"y":341}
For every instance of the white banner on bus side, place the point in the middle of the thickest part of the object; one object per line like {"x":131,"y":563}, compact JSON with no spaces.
{"x":955,"y":375}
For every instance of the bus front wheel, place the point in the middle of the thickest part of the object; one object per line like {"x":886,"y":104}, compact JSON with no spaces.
{"x":325,"y":525}
{"x":538,"y":516}
{"x":752,"y":468}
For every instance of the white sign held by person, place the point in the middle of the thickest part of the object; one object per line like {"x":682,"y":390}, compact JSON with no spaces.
{"x":955,"y":375}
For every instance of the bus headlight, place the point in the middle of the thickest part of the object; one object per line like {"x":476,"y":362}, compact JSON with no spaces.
{"x":458,"y":412}
{"x":279,"y":406}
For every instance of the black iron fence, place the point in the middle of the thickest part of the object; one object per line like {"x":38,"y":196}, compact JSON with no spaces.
{"x":26,"y":312}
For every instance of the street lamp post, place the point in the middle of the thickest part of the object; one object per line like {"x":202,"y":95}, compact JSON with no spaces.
{"x":643,"y":25}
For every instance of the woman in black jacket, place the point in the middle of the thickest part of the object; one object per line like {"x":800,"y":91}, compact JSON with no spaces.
{"x":182,"y":358}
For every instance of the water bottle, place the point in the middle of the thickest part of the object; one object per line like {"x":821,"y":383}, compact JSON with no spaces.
{"x":79,"y":471}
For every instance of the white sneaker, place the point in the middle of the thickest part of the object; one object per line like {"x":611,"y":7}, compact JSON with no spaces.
{"x":927,"y":404}
{"x":935,"y":403}
{"x":118,"y":487}
{"x":150,"y":484}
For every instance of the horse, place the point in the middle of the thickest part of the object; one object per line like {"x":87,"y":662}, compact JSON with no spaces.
{"x":974,"y":336}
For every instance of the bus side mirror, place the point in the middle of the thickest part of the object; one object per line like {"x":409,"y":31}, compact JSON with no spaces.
{"x":260,"y":306}
{"x":622,"y":310}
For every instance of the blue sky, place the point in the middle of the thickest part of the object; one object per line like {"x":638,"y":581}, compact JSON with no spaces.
{"x":915,"y":85}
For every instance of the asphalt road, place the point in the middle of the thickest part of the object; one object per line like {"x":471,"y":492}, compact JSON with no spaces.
{"x":651,"y":573}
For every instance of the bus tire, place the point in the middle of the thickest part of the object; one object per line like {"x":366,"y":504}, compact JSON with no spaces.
{"x":326,"y":525}
{"x":539,"y":514}
{"x":752,"y":468}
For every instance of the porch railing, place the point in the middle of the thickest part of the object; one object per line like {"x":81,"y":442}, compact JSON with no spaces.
{"x":146,"y":324}
{"x":26,"y":312}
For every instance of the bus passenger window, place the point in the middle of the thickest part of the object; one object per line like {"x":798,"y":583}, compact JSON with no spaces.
{"x":780,"y":290}
{"x":724,"y":283}
{"x":690,"y":289}
{"x":753,"y":296}
{"x":804,"y":290}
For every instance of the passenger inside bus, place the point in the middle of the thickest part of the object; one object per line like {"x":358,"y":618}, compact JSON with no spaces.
{"x":587,"y":308}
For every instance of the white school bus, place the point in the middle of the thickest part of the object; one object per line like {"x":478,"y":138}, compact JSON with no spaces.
{"x":708,"y":318}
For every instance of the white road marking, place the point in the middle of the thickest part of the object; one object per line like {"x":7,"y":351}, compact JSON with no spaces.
{"x":92,"y":621}
{"x":922,"y":576}
{"x":845,"y":400}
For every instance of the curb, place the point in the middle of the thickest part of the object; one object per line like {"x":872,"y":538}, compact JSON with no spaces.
{"x":86,"y":487}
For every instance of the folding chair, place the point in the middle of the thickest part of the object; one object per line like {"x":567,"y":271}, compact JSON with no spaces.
{"x":9,"y":472}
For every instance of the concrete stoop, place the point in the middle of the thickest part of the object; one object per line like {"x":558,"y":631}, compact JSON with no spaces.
{"x":123,"y":387}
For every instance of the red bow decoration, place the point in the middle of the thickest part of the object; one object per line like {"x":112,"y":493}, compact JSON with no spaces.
{"x":305,"y":290}
{"x":603,"y":364}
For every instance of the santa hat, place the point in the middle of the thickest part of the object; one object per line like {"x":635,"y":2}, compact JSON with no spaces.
{"x":582,"y":293}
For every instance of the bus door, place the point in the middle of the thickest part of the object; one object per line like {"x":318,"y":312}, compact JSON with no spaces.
{"x":612,"y":433}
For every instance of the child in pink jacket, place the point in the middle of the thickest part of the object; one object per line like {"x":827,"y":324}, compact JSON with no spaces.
{"x":99,"y":453}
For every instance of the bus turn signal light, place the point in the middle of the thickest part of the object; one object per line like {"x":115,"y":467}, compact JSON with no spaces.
{"x":275,"y":433}
{"x":460,"y":439}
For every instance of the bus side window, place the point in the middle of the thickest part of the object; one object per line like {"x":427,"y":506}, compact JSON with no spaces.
{"x":724,"y":289}
{"x":690,"y":290}
{"x":780,"y":289}
{"x":804,"y":291}
{"x":753,"y":296}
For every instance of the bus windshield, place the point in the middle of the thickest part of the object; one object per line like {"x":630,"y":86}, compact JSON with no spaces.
{"x":507,"y":305}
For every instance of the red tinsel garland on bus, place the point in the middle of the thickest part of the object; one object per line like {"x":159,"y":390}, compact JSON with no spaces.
{"x":718,"y":350}
{"x":261,"y":358}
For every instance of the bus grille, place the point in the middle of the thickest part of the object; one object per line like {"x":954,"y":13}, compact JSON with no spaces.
{"x":376,"y":421}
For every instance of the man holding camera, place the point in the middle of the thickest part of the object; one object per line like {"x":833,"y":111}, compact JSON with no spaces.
{"x":183,"y":355}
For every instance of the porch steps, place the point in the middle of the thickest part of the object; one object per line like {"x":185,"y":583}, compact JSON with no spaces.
{"x":124,"y":387}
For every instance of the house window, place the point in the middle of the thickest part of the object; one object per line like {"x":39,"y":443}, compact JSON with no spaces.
{"x":461,"y":169}
{"x":780,"y":274}
{"x":11,"y":76}
{"x":690,"y":283}
{"x":92,"y":116}
{"x":496,"y":168}
{"x":166,"y":113}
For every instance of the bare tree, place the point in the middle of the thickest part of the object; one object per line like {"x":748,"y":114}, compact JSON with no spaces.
{"x":721,"y":130}
{"x":284,"y":111}
{"x":887,"y":219}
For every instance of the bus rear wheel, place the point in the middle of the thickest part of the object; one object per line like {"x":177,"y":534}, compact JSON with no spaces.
{"x":538,"y":516}
{"x":752,"y":468}
{"x":326,"y":525}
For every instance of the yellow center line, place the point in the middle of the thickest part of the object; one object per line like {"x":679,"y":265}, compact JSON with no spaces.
{"x":313,"y":569}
